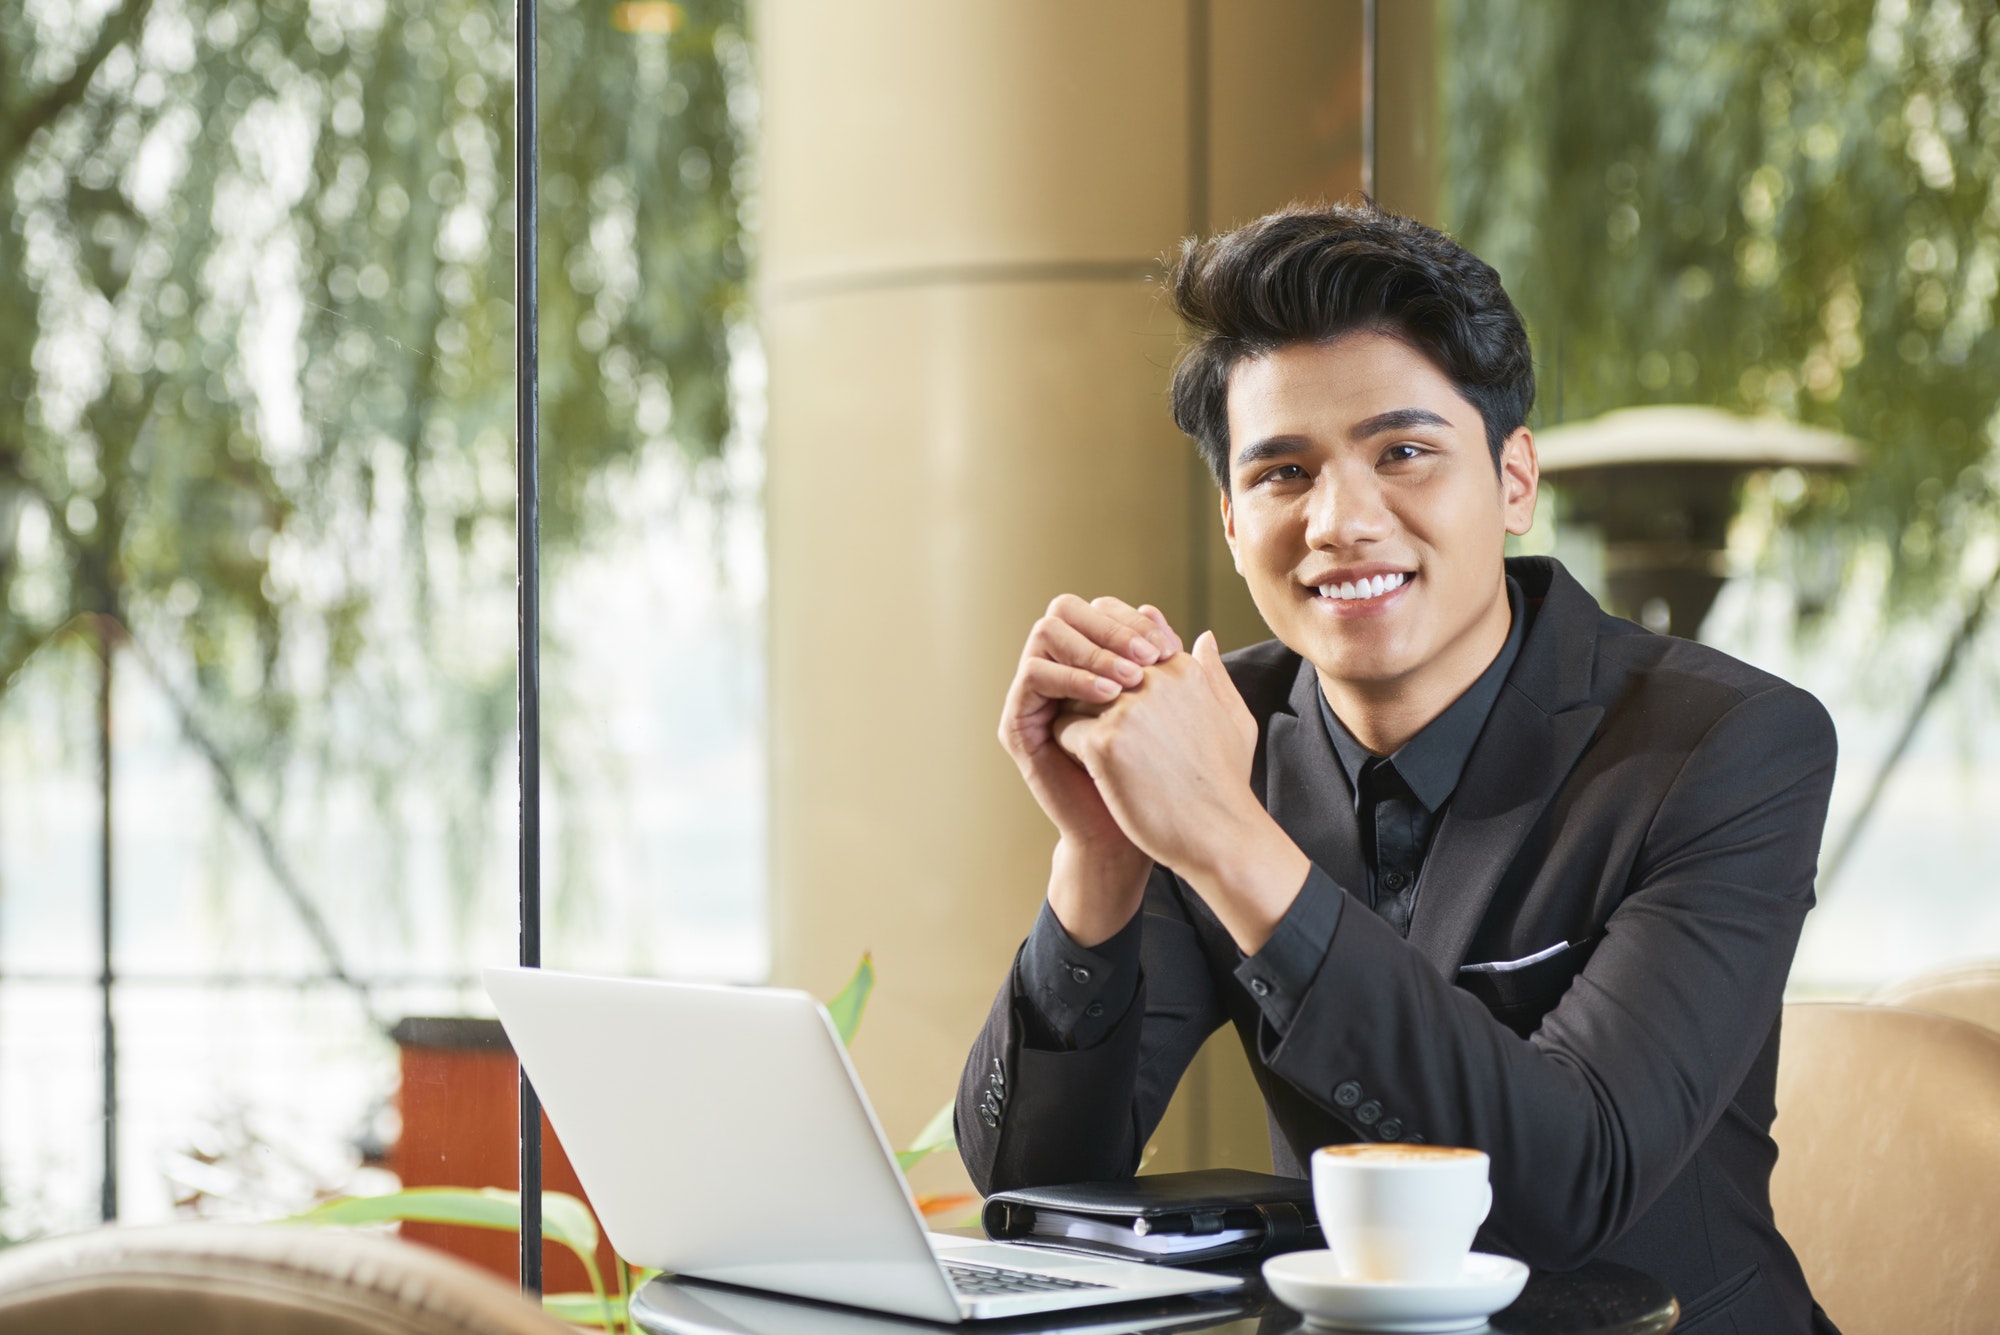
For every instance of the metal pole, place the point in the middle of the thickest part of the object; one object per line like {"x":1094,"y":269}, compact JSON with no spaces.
{"x":527,"y":521}
{"x":1369,"y":30}
{"x":106,"y":648}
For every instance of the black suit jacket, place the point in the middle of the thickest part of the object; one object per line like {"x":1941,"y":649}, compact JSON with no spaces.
{"x":1651,"y":802}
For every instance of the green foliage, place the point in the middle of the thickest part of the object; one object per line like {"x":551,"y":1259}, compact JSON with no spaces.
{"x":565,"y":1219}
{"x":1759,"y":204}
{"x":848,"y":1004}
{"x":938,"y":1134}
{"x":256,"y":353}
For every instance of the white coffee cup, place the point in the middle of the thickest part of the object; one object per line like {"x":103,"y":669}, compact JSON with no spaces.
{"x":1400,"y":1213}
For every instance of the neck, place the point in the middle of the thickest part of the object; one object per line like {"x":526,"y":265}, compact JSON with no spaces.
{"x":1385,"y":714}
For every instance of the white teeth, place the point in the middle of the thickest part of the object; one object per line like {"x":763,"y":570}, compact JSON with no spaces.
{"x":1360,"y":590}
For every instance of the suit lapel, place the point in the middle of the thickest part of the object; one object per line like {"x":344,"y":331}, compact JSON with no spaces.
{"x":1520,"y":761}
{"x":1540,"y":725}
{"x":1306,"y":790}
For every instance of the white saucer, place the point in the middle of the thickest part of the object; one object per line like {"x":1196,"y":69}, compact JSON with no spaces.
{"x":1311,"y":1283}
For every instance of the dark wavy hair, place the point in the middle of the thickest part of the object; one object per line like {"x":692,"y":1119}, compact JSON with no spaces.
{"x":1311,"y":273}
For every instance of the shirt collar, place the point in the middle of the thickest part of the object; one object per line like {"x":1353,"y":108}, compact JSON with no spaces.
{"x":1431,"y":762}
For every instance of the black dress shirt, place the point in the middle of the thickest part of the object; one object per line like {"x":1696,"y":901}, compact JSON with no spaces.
{"x":1077,"y":996}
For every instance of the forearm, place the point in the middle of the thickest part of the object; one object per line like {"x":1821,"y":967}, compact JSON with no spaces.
{"x":1248,"y":871}
{"x":1096,"y":893}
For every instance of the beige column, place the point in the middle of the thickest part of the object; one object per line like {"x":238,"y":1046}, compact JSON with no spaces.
{"x":963,"y":209}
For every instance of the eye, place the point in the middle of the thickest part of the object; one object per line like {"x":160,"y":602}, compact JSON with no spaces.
{"x":1283,"y":473}
{"x":1403,"y":451}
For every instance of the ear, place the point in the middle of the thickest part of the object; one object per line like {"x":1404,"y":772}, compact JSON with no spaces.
{"x":1520,"y":481}
{"x":1229,"y":529}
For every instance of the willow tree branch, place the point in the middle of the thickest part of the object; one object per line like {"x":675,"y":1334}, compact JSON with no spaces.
{"x":15,"y":663}
{"x":1968,"y":630}
{"x":42,"y":110}
{"x":289,"y":884}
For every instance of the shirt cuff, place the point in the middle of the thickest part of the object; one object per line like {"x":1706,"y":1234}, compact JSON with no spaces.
{"x":1078,"y":995}
{"x":1277,"y":976}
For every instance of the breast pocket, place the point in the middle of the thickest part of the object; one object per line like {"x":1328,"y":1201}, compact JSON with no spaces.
{"x":1521,"y":991}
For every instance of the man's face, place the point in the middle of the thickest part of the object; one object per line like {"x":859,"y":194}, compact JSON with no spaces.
{"x":1356,"y":465}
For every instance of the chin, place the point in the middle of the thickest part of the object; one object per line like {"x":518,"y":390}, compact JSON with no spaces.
{"x":1346,"y":661}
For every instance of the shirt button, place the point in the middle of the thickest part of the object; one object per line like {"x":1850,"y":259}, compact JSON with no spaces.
{"x":1260,"y":987}
{"x":1081,"y":974}
{"x":1347,"y":1095}
{"x":1395,"y":880}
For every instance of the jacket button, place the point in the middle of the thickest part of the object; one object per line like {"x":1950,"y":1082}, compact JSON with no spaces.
{"x":1390,"y":1129}
{"x":1348,"y":1094}
{"x":991,"y":1103}
{"x":998,"y":1075}
{"x":988,"y":1116}
{"x":1368,"y":1112}
{"x":1094,"y":1009}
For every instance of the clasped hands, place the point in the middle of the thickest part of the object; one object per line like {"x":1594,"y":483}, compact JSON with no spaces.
{"x":1140,"y":752}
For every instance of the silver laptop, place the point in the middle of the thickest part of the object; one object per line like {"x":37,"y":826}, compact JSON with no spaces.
{"x":720,"y":1132}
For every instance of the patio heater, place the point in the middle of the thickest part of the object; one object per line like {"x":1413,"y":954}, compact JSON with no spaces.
{"x":1658,"y":485}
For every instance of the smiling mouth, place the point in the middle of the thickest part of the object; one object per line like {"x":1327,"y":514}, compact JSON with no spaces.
{"x":1363,"y":590}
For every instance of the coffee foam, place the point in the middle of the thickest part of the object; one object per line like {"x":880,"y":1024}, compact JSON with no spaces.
{"x":1386,"y":1154}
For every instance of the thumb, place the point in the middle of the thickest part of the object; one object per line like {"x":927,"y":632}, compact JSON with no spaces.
{"x":1209,"y":658}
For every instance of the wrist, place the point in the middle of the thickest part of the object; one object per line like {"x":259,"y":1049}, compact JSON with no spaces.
{"x":1094,"y":891}
{"x":1248,"y":874}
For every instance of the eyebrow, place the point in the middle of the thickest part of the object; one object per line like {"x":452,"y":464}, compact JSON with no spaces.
{"x":1271,"y":447}
{"x":1396,"y":419}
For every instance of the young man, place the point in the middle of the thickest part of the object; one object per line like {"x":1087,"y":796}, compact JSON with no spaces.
{"x":1462,"y":858}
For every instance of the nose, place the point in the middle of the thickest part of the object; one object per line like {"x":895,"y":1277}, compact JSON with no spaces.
{"x":1346,"y":509}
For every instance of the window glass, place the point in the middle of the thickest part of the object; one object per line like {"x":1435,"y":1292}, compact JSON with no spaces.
{"x":257,"y":453}
{"x":1784,"y":210}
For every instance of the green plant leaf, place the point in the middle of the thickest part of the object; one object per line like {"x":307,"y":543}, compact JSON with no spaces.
{"x":565,"y":1219}
{"x":584,"y":1309}
{"x":938,"y":1134}
{"x":846,"y":1008}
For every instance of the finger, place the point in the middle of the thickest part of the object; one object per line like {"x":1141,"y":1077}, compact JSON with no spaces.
{"x":1208,"y":656}
{"x":1069,"y":732}
{"x":1047,"y":680}
{"x":1159,"y":619}
{"x":1158,"y":634}
{"x":1112,"y":624}
{"x":1064,"y":643}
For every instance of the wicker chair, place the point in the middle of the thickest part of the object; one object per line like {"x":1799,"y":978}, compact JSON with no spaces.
{"x":1968,"y":991}
{"x":1888,"y":1175}
{"x":220,"y":1279}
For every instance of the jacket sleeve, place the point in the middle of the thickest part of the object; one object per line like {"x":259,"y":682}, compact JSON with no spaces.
{"x":1029,"y":1115}
{"x":1588,"y":1118}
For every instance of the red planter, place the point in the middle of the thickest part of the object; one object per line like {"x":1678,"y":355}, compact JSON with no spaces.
{"x":460,"y":1111}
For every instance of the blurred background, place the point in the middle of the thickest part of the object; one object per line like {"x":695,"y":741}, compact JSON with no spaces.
{"x":852,"y":357}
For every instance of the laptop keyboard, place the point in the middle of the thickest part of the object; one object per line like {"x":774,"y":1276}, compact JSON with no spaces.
{"x":978,"y":1281}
